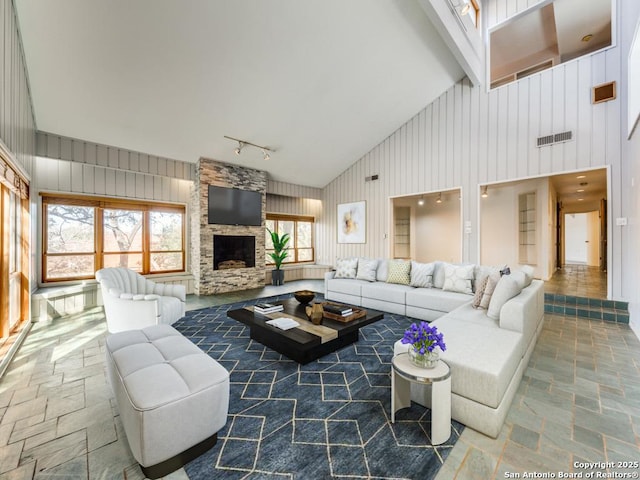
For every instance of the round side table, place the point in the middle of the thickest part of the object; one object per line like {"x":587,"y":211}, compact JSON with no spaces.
{"x":403,"y":373}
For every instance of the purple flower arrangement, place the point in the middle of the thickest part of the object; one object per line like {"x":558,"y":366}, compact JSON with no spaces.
{"x":424,"y":338}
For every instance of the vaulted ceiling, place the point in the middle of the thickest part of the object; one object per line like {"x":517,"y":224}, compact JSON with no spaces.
{"x":319,"y":81}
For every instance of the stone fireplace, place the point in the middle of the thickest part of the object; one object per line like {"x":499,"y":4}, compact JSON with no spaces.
{"x":234,"y":251}
{"x":247,"y":270}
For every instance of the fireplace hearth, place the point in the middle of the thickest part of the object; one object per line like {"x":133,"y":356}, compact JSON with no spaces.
{"x":234,"y":251}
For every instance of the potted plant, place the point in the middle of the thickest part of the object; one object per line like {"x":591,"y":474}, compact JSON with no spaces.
{"x":278,"y":255}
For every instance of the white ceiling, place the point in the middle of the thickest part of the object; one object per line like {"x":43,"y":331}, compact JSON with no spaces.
{"x":554,"y":30}
{"x":320,"y":81}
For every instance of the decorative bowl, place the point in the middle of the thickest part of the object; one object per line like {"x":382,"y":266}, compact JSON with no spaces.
{"x":304,"y":296}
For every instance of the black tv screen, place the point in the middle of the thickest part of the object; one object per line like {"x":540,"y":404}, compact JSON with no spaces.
{"x":232,"y":206}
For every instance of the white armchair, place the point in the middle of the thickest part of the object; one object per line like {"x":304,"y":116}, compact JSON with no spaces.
{"x":131,"y":302}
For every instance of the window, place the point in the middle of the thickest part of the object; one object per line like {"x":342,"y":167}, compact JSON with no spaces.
{"x":84,"y":234}
{"x":300,"y":230}
{"x":14,"y":247}
{"x":474,"y":12}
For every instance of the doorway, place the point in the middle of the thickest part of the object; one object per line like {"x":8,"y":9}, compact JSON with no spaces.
{"x":581,"y":234}
{"x":581,"y":238}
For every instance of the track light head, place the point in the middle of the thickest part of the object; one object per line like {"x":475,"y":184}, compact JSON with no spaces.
{"x":485,"y":194}
{"x":421,"y":201}
{"x":265,"y":154}
{"x":439,"y":199}
{"x":238,"y":150}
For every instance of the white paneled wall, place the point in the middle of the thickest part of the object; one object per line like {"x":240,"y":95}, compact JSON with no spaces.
{"x":468,"y":137}
{"x":117,"y":159}
{"x":292,"y":190}
{"x":17,"y":123}
{"x":294,"y":205}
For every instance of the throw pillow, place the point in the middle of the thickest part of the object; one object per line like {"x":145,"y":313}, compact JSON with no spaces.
{"x":346,"y":267}
{"x":528,"y":273}
{"x":421,"y":274}
{"x":438,"y":274}
{"x":480,"y":273}
{"x":492,"y":281}
{"x":399,"y":272}
{"x":457,"y":278}
{"x":383,"y":270}
{"x":506,"y":289}
{"x":367,"y":269}
{"x":477,"y":298}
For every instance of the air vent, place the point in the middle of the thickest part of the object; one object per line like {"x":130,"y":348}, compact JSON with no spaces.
{"x":555,"y":138}
{"x":371,"y":178}
{"x":604,"y":92}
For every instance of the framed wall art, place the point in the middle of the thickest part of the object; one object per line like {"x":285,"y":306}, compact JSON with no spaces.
{"x":352,"y":222}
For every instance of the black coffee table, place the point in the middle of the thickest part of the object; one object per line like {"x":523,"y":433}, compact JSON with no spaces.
{"x":298,"y":344}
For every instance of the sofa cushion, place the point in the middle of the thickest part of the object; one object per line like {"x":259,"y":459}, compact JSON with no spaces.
{"x":507,"y":288}
{"x":346,"y":267}
{"x":438,"y":274}
{"x":457,"y":278}
{"x":383,"y":270}
{"x":482,"y":359}
{"x":436,"y":299}
{"x":367,"y":269}
{"x":386,"y":292}
{"x":399,"y":272}
{"x":345,"y":285}
{"x":421,"y":274}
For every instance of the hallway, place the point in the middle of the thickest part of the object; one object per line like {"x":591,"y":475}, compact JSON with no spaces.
{"x":579,"y":281}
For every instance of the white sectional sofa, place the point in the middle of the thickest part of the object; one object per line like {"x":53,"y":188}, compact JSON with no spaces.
{"x":487,"y":354}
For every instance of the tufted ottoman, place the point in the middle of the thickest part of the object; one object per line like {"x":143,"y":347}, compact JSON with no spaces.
{"x":172,"y":397}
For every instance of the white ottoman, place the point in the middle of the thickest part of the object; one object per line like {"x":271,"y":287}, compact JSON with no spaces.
{"x":172,"y":397}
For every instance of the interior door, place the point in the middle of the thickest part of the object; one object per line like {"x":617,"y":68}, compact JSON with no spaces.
{"x":603,"y":235}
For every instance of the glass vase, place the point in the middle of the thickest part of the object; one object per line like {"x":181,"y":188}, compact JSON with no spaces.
{"x":428,"y":360}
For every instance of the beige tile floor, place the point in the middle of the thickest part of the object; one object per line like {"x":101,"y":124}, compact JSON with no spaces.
{"x":578,"y":402}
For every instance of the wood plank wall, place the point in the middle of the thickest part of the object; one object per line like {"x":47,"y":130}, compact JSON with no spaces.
{"x":468,"y":137}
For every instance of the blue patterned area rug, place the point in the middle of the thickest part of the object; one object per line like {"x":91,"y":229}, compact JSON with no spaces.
{"x":327,"y":419}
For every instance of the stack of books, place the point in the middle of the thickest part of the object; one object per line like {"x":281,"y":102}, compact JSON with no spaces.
{"x":342,"y":310}
{"x":266,"y":308}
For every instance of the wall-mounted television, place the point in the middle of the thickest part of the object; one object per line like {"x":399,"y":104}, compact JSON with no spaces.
{"x":232,"y":206}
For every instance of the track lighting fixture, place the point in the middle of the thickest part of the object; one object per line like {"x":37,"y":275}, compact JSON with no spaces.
{"x":421,"y":201}
{"x":243,"y":143}
{"x":439,"y":199}
{"x":485,"y":194}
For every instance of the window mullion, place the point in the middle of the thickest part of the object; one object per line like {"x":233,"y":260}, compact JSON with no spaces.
{"x":99,"y":238}
{"x":146,"y":242}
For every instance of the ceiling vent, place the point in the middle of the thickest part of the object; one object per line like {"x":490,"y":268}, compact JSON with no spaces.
{"x":555,"y":138}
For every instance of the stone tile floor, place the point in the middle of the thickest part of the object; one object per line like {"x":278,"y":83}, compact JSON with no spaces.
{"x":579,"y":281}
{"x":578,"y":402}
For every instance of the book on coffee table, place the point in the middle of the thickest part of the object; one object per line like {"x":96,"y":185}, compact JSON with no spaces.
{"x":266,"y":308}
{"x":283,"y":323}
{"x":343,"y":310}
